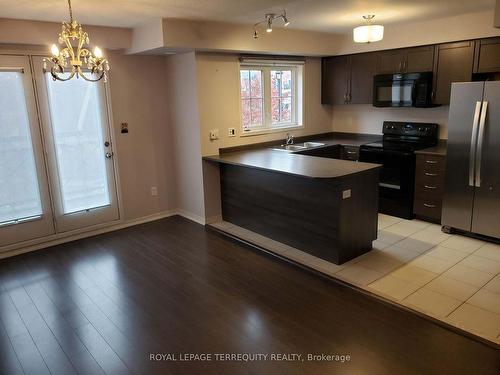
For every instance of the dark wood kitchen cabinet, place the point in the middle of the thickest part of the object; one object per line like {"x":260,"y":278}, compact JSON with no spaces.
{"x":406,"y":60}
{"x":348,"y":79}
{"x":335,"y":76}
{"x":363,"y":68}
{"x":487,"y":56}
{"x":453,"y":63}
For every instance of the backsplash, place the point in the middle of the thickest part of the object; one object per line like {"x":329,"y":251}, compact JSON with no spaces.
{"x":364,"y":118}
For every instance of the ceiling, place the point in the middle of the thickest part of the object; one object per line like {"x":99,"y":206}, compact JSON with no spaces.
{"x":318,"y":15}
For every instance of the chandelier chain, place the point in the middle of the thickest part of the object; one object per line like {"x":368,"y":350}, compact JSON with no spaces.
{"x":70,"y":11}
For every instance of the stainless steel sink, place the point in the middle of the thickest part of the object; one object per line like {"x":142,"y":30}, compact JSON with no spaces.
{"x":312,"y":144}
{"x":289,"y":148}
{"x":297,"y":147}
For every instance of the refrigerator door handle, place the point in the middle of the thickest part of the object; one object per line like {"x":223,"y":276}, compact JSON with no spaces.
{"x":473,"y":143}
{"x":479,"y":151}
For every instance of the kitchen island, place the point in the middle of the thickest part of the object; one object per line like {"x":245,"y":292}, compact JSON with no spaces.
{"x":322,"y":206}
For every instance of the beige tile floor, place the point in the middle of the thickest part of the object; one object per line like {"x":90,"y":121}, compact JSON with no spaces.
{"x":452,"y":278}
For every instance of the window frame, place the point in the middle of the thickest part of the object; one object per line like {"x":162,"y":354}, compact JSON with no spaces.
{"x":297,"y":97}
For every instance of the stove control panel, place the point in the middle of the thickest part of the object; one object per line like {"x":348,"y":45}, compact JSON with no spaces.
{"x":415,"y":129}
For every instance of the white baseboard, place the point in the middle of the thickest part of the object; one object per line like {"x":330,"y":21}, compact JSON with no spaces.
{"x":57,"y":239}
{"x":60,"y":238}
{"x":193,"y":217}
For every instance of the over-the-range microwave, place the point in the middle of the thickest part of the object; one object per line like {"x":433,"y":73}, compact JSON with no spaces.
{"x":403,"y":90}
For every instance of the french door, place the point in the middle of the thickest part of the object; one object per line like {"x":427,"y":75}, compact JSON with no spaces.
{"x":25,"y":209}
{"x":76,"y":127}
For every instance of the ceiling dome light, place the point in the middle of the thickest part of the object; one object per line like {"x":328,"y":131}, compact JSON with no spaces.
{"x":368,"y":33}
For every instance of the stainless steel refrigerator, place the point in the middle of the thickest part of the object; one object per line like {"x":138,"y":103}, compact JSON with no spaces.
{"x":472,"y":189}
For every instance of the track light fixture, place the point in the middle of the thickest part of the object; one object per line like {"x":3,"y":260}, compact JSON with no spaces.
{"x":269,"y":19}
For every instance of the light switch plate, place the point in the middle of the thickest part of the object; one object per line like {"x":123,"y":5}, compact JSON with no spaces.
{"x":232,"y":132}
{"x":346,"y":194}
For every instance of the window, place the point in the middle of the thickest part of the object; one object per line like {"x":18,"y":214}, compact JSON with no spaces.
{"x":271,"y":96}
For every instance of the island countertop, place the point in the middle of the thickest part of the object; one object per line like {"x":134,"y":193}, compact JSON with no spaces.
{"x":292,"y":164}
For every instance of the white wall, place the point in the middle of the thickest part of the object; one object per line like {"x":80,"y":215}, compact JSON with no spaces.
{"x":182,"y":103}
{"x":364,"y":118}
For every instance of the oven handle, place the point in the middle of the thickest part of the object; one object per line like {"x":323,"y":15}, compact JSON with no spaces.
{"x":473,"y":144}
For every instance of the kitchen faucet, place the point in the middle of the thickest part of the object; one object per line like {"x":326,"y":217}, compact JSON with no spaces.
{"x":289,"y":139}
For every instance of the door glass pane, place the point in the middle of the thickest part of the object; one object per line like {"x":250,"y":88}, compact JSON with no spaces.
{"x":77,"y":115}
{"x":19,"y":190}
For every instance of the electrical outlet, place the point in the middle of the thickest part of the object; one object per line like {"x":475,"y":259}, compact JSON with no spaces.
{"x":214,"y":134}
{"x":154,"y":191}
{"x":232,"y":132}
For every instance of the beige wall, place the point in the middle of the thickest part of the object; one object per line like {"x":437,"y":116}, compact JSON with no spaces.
{"x":182,"y":103}
{"x":229,"y":37}
{"x":218,"y":98}
{"x":45,"y":33}
{"x":138,"y":90}
{"x":364,"y":118}
{"x":431,"y":31}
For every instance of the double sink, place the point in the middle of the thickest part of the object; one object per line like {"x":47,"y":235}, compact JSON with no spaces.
{"x":298,"y":147}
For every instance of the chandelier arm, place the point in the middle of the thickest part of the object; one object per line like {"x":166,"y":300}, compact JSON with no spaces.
{"x":57,"y":69}
{"x":99,"y":77}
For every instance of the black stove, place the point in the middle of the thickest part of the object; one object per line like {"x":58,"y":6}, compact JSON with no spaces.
{"x":396,"y":153}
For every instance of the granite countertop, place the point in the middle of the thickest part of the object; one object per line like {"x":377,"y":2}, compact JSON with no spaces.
{"x":301,"y":165}
{"x":438,"y":150}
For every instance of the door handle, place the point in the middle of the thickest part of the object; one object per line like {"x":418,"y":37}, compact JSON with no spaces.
{"x":430,"y":187}
{"x":479,"y":151}
{"x":473,"y":143}
{"x":430,"y":174}
{"x":429,"y":205}
{"x":108,"y":155}
{"x":431,"y":161}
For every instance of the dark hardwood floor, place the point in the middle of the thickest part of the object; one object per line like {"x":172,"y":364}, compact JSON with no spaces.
{"x":102,"y":305}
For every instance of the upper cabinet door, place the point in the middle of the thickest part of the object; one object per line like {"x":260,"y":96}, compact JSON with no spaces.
{"x":335,"y":73}
{"x":419,"y":59}
{"x":363,"y":68}
{"x":391,"y":62}
{"x":487,"y":56}
{"x":453,"y":63}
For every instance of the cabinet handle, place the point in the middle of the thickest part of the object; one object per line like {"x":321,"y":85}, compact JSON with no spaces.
{"x":430,"y":174}
{"x":430,"y":187}
{"x":431,"y":161}
{"x":351,"y":152}
{"x":404,"y":66}
{"x":429,"y":205}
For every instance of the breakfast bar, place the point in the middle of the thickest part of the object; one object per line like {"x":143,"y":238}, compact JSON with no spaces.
{"x":322,"y":206}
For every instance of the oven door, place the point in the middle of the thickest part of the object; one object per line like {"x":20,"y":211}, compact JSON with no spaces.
{"x":397,"y":179}
{"x":389,"y":92}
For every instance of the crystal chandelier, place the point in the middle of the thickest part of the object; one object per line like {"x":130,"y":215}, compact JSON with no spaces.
{"x":83,"y":63}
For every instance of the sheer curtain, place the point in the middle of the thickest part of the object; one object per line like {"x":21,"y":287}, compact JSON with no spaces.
{"x":19,"y":190}
{"x":77,"y":115}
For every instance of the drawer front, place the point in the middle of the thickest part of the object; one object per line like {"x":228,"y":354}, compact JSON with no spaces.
{"x":430,"y":164}
{"x":429,"y":186}
{"x":350,"y":153}
{"x":428,"y":207}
